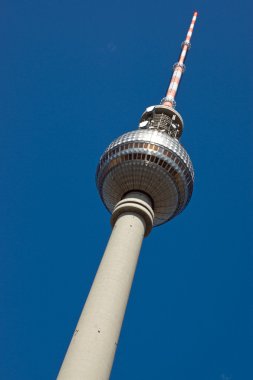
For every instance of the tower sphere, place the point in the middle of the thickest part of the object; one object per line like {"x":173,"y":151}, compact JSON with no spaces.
{"x":150,"y":160}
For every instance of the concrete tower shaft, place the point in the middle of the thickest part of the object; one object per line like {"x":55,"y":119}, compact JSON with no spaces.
{"x":91,"y":351}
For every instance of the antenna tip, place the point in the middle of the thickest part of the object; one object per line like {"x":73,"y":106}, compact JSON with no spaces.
{"x":195,"y":13}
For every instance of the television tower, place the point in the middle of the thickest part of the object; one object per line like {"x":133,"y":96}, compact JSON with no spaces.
{"x":145,"y":178}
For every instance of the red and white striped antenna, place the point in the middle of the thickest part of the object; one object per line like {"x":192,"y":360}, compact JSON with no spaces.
{"x":179,"y":68}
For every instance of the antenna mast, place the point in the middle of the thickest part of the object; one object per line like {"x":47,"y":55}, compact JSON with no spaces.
{"x":179,"y":68}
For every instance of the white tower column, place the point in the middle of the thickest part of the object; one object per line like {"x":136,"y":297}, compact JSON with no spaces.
{"x":91,"y":351}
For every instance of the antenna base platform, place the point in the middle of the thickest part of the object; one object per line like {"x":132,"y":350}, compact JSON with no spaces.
{"x":162,"y":118}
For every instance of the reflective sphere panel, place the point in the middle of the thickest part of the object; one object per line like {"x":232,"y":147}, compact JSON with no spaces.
{"x":148,"y":161}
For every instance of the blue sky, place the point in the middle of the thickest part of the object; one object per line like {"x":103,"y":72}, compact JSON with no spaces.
{"x":74,"y":75}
